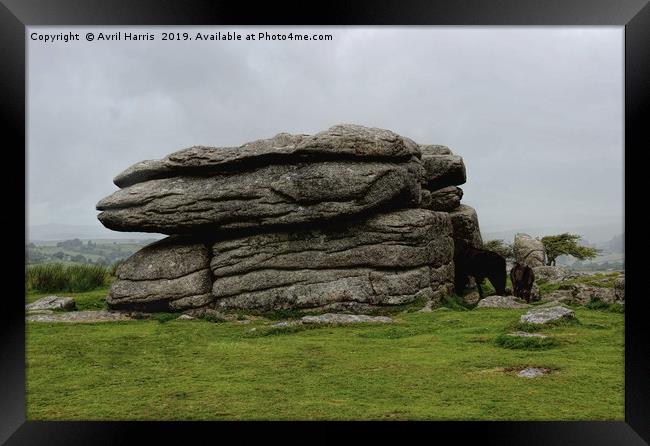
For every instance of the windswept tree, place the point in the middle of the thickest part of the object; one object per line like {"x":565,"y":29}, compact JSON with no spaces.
{"x":566,"y":244}
{"x":500,"y":247}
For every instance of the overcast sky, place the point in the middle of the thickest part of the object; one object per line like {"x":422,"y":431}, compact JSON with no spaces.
{"x":536,"y":113}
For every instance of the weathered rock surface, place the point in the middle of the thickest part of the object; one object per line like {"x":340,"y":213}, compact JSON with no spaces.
{"x":52,"y":303}
{"x":434,"y":150}
{"x":554,"y":274}
{"x":445,"y":199}
{"x":466,"y":228}
{"x":528,"y":251}
{"x":547,"y":314}
{"x":171,"y":274}
{"x":345,"y":220}
{"x":584,"y":294}
{"x":443,"y":170}
{"x":389,"y":259}
{"x":501,"y":302}
{"x":87,"y":316}
{"x":619,"y":288}
{"x":344,"y":141}
{"x":269,"y":196}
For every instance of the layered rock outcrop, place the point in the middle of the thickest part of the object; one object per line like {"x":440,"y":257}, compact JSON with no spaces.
{"x":350,"y":218}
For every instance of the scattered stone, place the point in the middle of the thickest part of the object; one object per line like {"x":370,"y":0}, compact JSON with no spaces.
{"x":287,"y":323}
{"x":185,"y":317}
{"x":87,"y":316}
{"x":554,"y":274}
{"x":501,"y":302}
{"x":528,"y":251}
{"x":533,"y":372}
{"x":427,"y":307}
{"x":545,"y":315}
{"x":52,"y":303}
{"x":471,"y":298}
{"x":584,"y":294}
{"x":334,"y":318}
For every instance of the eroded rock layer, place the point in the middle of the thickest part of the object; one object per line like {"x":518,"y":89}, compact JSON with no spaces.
{"x":171,"y":274}
{"x":389,"y":259}
{"x":348,"y":219}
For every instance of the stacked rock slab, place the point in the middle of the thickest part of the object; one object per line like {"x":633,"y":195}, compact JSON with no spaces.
{"x":350,"y":218}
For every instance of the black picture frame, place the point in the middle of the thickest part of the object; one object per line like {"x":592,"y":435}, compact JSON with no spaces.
{"x":16,"y":15}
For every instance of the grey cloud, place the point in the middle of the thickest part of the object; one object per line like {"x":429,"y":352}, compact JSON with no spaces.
{"x":537,"y":113}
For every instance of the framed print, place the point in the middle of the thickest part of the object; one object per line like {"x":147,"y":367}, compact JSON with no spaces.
{"x":381,"y":218}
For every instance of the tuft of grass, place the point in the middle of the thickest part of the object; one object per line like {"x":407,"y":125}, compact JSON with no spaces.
{"x":530,"y":328}
{"x":597,"y":304}
{"x":164,"y":317}
{"x":56,"y":277}
{"x":454,"y":302}
{"x":525,"y":343}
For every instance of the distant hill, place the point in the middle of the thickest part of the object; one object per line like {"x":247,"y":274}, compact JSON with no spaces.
{"x":53,"y":232}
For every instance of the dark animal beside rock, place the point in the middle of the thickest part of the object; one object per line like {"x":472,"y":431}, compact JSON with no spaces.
{"x":522,"y":278}
{"x":480,"y":264}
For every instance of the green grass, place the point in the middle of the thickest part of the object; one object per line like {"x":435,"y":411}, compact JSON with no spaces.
{"x":57,"y":277}
{"x":525,"y":343}
{"x":442,"y":365}
{"x":603,"y":280}
{"x":89,"y":300}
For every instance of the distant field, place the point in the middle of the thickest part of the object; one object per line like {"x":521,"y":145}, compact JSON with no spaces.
{"x":104,"y":251}
{"x":443,"y":365}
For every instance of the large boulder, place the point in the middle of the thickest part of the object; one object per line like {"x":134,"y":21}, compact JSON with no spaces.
{"x":343,"y":141}
{"x":545,"y":315}
{"x":501,"y":302}
{"x":171,"y":274}
{"x":273,"y":195}
{"x":528,"y":251}
{"x":388,"y":259}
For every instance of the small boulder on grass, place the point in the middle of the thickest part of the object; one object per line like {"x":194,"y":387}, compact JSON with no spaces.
{"x":52,"y":303}
{"x":546,"y":315}
{"x":501,"y":302}
{"x":335,"y":318}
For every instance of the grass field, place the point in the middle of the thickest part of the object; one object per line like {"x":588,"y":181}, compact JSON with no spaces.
{"x":443,"y":365}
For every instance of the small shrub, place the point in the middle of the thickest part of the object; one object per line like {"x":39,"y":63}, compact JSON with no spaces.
{"x":525,"y":343}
